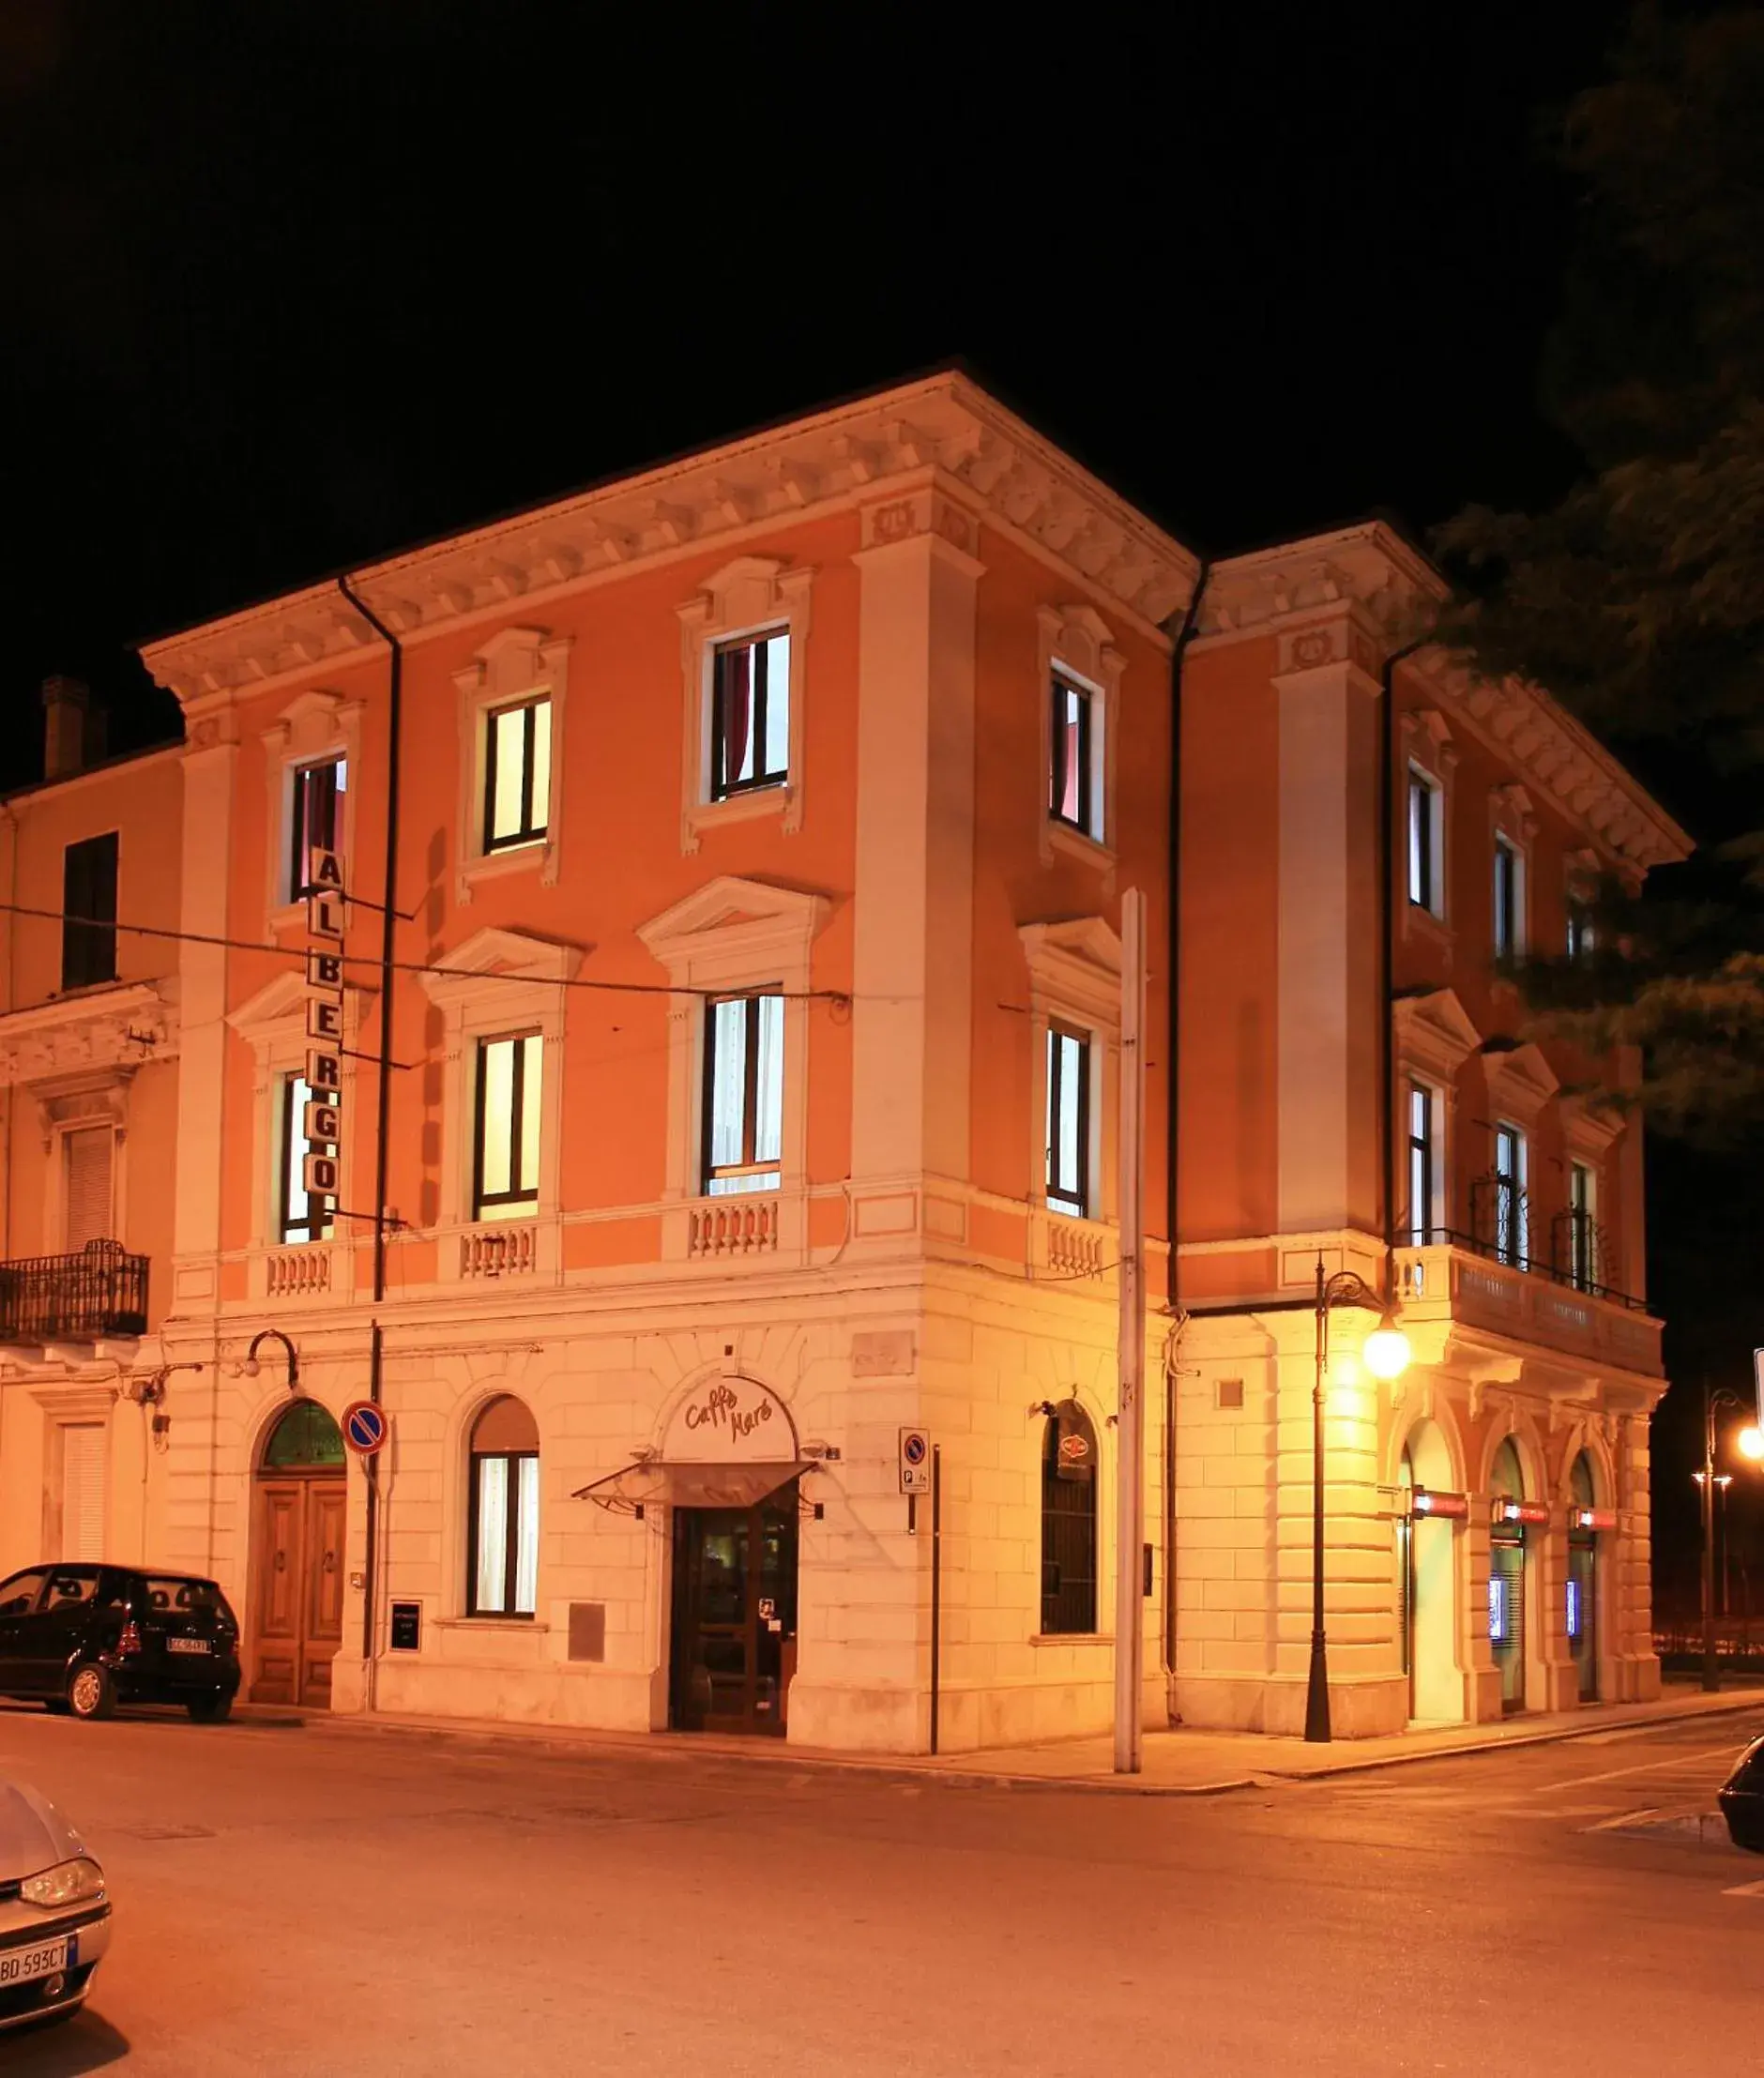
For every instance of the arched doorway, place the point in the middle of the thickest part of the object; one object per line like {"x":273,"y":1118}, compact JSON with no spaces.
{"x":1427,"y":1560}
{"x":1583,"y":1580}
{"x":298,"y":1558}
{"x":1506,"y":1575}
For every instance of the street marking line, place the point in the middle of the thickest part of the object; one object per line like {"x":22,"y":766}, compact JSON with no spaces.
{"x":1745,"y":1891}
{"x":1624,"y":1818}
{"x":1646,"y":1768}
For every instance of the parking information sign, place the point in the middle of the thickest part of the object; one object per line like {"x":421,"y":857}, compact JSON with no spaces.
{"x":914,"y":1462}
{"x":364,"y":1427}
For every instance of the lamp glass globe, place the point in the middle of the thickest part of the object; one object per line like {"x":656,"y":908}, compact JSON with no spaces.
{"x":1752,"y":1442}
{"x":1385,"y":1351}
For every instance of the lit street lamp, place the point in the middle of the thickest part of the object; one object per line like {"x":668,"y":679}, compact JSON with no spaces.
{"x":1751,"y":1443}
{"x":1385,"y":1355}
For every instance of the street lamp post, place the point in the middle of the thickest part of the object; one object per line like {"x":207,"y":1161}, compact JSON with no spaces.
{"x":1385,"y":1356}
{"x":1752,"y":1445}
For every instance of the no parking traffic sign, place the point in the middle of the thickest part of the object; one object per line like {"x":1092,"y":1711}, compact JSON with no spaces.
{"x":914,"y":1462}
{"x":364,"y":1427}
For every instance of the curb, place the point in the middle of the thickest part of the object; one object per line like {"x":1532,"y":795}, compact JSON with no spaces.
{"x":920,"y":1774}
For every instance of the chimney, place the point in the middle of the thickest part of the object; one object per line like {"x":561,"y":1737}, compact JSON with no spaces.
{"x":65,"y":705}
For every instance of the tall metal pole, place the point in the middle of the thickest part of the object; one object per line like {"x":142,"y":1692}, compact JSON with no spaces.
{"x":1317,"y":1696}
{"x":1712,"y":1665}
{"x":937,"y":1587}
{"x":1129,"y":1538}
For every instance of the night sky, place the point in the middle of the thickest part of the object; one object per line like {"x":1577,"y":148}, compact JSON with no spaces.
{"x":285,"y":287}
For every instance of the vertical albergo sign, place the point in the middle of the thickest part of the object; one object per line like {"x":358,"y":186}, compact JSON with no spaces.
{"x":322,"y":1125}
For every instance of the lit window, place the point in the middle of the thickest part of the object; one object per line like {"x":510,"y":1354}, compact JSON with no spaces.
{"x":298,"y":1217}
{"x":502,"y":1575}
{"x":517,"y":774}
{"x":1509,"y":1196}
{"x":89,"y":907}
{"x":1068,"y":1122}
{"x":744,"y":1094}
{"x":314,"y":817}
{"x":1580,"y":931}
{"x":1426,"y":817}
{"x":1069,"y":1539}
{"x":1582,"y":1251}
{"x":505,"y":1183}
{"x":1509,"y":901}
{"x":1424,"y":1163}
{"x":750,"y":715}
{"x":1075,"y":762}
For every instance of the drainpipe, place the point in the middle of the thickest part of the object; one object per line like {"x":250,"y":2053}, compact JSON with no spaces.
{"x":389,"y":922}
{"x":1387,"y":933}
{"x":1185,"y":634}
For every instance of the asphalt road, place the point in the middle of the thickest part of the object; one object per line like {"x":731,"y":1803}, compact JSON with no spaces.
{"x":335,"y":1901}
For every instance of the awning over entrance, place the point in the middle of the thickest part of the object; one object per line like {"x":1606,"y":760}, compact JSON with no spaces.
{"x":676,"y":1482}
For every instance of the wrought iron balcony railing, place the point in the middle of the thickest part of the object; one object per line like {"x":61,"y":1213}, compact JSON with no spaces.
{"x":98,"y":1293}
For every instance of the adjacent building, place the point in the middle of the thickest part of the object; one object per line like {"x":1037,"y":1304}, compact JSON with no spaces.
{"x":761,"y":828}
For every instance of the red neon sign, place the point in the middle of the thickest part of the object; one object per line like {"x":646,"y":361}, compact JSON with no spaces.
{"x":1426,"y":1500}
{"x":1595,"y":1518}
{"x":1535,"y":1512}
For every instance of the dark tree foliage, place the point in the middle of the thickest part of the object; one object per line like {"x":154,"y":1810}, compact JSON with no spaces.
{"x":1639,"y":599}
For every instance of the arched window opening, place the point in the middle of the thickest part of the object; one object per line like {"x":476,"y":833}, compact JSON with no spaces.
{"x":1582,"y":1587}
{"x":1506,"y":1580}
{"x":305,"y":1439}
{"x":1068,"y":1480}
{"x":502,"y":1577}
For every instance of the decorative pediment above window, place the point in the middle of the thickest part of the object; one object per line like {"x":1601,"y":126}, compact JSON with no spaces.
{"x":1590,"y":1127}
{"x":1434,"y":1034}
{"x":516,"y":661}
{"x":737,"y":934}
{"x":281,"y":1003}
{"x":746,"y":593}
{"x":313,"y":723}
{"x":1076,"y":969}
{"x":1520,"y":1081}
{"x":1513,"y":811}
{"x":492,"y":959}
{"x":99,"y":1099}
{"x":1428,"y":736}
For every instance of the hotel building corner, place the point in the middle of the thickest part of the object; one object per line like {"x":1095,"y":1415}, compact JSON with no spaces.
{"x":763,"y":823}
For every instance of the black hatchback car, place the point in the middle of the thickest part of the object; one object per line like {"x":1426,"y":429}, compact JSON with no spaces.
{"x":85,"y":1638}
{"x":1742,"y":1800}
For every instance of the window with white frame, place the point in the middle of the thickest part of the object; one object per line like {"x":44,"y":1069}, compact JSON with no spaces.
{"x":1427,"y":842}
{"x":1511,"y":1211}
{"x":1075,"y":762}
{"x":750,"y":714}
{"x":1583,"y":1191}
{"x":506,"y":1127}
{"x":1509,"y":898}
{"x":1425,"y":1175}
{"x":1069,"y":1120}
{"x":316,"y":796}
{"x":517,"y":774}
{"x":744,"y":1094}
{"x":300,"y":1216}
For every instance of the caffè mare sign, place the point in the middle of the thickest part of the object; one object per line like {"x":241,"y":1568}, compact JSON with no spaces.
{"x":730,"y":1422}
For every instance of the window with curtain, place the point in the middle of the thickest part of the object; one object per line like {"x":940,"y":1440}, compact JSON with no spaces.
{"x":1424,"y":1162}
{"x":88,"y":909}
{"x":299,"y":1216}
{"x":744,"y":1094}
{"x":1068,"y":1539}
{"x":750,"y":714}
{"x":517,"y":774}
{"x":315,"y":821}
{"x":1426,"y":805}
{"x":502,"y":1569}
{"x":1509,"y":1196}
{"x":1075,"y":767}
{"x":505,"y":1183}
{"x":1068,"y":1122}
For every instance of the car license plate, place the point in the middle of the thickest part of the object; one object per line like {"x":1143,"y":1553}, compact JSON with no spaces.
{"x":20,"y":1966}
{"x":186,"y":1645}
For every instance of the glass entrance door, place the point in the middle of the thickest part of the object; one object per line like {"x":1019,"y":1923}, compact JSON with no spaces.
{"x":1582,"y":1625}
{"x":734,"y":1616}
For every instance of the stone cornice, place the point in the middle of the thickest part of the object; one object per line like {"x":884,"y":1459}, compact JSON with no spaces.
{"x":945,"y":425}
{"x":121,"y":1027}
{"x":1371,"y":576}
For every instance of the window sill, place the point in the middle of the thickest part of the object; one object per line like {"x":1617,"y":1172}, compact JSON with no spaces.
{"x":750,"y":806}
{"x":1072,"y":1638}
{"x":523,"y":1624}
{"x":1088,"y":851}
{"x":540,"y":856}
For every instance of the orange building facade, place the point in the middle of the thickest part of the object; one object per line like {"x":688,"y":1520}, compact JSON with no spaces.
{"x":762,"y":826}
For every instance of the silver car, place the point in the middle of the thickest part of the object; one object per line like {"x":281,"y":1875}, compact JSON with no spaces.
{"x":54,"y":1911}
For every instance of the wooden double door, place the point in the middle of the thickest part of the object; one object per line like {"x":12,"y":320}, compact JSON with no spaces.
{"x":735,"y":1617}
{"x":297,"y":1591}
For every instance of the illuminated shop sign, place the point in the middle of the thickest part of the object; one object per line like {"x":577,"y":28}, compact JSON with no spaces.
{"x":1533,"y":1512}
{"x":321,"y":1123}
{"x":1500,"y":1610}
{"x":1573,"y":1608}
{"x":1593,"y":1517}
{"x":1427,"y":1500}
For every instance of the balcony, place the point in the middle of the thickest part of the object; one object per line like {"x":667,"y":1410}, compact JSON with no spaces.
{"x":97,"y":1295}
{"x":1461,"y":1279}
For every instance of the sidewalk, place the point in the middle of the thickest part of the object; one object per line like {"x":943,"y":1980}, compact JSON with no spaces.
{"x":1176,"y":1763}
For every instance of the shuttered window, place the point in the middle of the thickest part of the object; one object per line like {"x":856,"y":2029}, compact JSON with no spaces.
{"x":88,"y":1215}
{"x":89,"y":903}
{"x":83,"y":1491}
